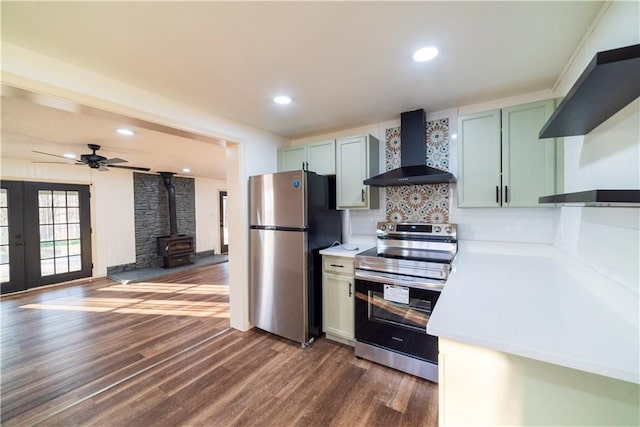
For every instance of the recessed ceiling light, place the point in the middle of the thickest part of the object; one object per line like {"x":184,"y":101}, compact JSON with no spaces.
{"x":69,"y":156}
{"x":282,"y":100}
{"x":124,"y":131}
{"x":186,"y":170}
{"x":454,"y":136}
{"x":425,"y":54}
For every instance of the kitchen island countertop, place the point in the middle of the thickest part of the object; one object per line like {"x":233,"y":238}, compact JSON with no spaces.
{"x":534,"y":301}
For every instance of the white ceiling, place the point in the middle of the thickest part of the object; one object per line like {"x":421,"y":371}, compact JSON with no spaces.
{"x":29,"y":126}
{"x":346,"y":64}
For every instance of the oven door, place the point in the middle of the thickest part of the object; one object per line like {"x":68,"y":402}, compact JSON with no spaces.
{"x":392,"y":315}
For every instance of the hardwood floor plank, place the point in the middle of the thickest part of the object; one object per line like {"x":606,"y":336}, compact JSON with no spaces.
{"x":383,"y":416}
{"x":160,"y":353}
{"x":331,"y":399}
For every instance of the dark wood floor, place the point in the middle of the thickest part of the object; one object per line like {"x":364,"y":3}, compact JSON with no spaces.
{"x":161,"y":353}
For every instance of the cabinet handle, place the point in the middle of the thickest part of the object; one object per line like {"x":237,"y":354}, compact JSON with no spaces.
{"x":363,"y":194}
{"x":337,"y":265}
{"x":350,"y":293}
{"x":506,"y":194}
{"x":497,"y":194}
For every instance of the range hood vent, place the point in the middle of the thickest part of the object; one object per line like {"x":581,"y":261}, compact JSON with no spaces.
{"x":413,"y":154}
{"x":604,"y":198}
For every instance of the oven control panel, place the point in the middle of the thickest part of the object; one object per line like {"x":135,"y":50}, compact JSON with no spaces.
{"x":415,"y":229}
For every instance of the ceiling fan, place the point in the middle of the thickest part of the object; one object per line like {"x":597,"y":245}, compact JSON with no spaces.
{"x":96,"y":161}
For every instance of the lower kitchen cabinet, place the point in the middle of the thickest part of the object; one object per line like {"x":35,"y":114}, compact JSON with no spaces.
{"x":337,"y":299}
{"x":480,"y":386}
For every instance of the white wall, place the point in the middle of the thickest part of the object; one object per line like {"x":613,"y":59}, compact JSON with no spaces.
{"x":608,"y":157}
{"x":114,"y":236}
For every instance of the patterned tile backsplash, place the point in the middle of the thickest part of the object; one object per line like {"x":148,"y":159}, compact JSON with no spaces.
{"x":427,"y":203}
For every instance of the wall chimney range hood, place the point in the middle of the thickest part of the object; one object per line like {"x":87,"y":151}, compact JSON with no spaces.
{"x":413,"y":154}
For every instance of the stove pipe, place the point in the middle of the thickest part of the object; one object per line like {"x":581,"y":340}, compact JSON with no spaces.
{"x":171,"y":191}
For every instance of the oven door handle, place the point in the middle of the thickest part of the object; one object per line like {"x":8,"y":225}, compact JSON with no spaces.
{"x":434,"y":285}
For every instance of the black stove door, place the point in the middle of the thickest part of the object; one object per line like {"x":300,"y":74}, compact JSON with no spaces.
{"x":395,"y":318}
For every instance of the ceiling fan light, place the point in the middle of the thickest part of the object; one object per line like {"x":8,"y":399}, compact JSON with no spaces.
{"x":126,"y":132}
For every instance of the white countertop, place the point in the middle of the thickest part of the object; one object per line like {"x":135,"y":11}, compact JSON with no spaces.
{"x":347,"y":250}
{"x":533,"y":300}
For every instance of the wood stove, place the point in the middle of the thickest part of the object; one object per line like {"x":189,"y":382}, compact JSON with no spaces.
{"x":175,"y":249}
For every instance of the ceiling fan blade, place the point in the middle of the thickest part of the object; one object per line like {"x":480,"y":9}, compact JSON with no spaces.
{"x":54,"y":155}
{"x":114,"y":160}
{"x":103,"y":168}
{"x":54,"y":163}
{"x":135,"y":168}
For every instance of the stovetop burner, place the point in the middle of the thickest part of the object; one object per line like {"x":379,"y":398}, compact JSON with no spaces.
{"x":422,"y":251}
{"x":416,"y":255}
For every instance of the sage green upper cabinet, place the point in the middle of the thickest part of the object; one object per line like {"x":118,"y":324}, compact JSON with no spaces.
{"x":292,"y":158}
{"x":318,"y":157}
{"x":322,"y":157}
{"x":356,"y":160}
{"x":501,"y":161}
{"x":479,"y":160}
{"x":528,"y":163}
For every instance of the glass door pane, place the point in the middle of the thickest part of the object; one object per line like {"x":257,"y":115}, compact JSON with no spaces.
{"x":59,"y":225}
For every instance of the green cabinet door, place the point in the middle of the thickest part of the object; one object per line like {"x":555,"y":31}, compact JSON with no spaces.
{"x":292,"y":158}
{"x":356,"y":160}
{"x":321,"y":157}
{"x":528,"y":163}
{"x":479,"y":160}
{"x":338,"y":306}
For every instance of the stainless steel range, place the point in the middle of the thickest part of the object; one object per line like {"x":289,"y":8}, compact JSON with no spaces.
{"x":397,"y":286}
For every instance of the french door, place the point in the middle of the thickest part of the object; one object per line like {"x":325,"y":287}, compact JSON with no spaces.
{"x":45,"y":234}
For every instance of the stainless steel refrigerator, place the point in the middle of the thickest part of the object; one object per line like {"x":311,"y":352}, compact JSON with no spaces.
{"x":292,"y":216}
